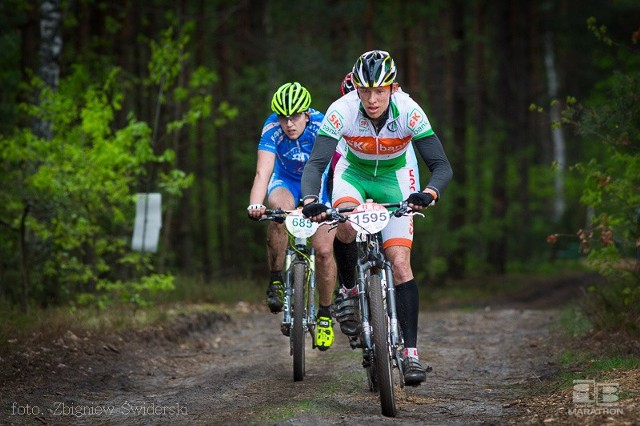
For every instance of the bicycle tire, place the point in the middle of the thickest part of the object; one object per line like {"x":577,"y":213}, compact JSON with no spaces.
{"x":299,"y":310}
{"x":379,"y":323}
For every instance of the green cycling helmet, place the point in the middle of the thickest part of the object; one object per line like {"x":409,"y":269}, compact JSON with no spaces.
{"x":290,"y":98}
{"x":374,"y":69}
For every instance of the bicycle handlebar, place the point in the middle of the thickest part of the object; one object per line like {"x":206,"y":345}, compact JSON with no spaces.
{"x":337,"y":214}
{"x":278,"y":215}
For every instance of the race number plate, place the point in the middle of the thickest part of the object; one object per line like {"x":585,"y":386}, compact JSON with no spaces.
{"x":369,"y":218}
{"x":299,"y":226}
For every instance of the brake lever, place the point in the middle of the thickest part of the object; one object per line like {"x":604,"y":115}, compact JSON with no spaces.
{"x":401,"y":211}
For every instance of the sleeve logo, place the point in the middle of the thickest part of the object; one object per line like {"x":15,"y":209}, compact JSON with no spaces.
{"x":336,"y":120}
{"x":332,"y":124}
{"x":415,"y":118}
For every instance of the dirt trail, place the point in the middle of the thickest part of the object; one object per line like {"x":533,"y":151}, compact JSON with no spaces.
{"x":237,"y":370}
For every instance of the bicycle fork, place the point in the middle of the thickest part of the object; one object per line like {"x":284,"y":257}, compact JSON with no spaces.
{"x":386,"y":279}
{"x":291,"y":257}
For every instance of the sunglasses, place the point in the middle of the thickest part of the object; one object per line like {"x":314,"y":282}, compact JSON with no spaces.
{"x":293,"y":117}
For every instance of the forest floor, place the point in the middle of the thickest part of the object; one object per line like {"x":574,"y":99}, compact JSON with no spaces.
{"x":495,"y":363}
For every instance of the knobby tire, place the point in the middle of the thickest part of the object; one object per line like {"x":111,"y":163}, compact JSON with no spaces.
{"x":379,"y":323}
{"x":297,"y":334}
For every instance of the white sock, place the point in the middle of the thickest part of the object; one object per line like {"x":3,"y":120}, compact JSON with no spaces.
{"x":410,"y":352}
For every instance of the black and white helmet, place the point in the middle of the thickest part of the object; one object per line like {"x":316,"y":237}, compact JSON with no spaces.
{"x":374,"y":69}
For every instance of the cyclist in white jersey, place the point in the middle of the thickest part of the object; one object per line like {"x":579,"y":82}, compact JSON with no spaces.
{"x":378,"y":124}
{"x":346,"y":301}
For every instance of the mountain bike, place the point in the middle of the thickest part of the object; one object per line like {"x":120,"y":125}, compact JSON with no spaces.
{"x":299,"y":310}
{"x":380,"y":336}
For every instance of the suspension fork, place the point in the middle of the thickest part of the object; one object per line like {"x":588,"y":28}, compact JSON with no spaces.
{"x":363,"y":267}
{"x":288,"y":288}
{"x":311,"y":279}
{"x":391,"y":304}
{"x":291,"y":256}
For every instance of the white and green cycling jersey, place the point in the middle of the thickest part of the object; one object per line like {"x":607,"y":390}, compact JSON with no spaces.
{"x":382,"y":151}
{"x":376,"y":164}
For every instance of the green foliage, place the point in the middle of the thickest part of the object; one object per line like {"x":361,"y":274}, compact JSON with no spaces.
{"x":72,"y":195}
{"x":167,"y":58}
{"x":78,"y":186}
{"x":575,"y":322}
{"x":612,"y":190}
{"x":137,"y":293}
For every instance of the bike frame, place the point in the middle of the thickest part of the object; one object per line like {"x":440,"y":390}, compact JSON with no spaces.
{"x":299,"y":251}
{"x":299,"y":310}
{"x":380,"y":338}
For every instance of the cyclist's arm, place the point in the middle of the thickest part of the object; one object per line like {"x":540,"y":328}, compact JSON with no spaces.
{"x":264,"y":169}
{"x":432,"y":152}
{"x":321,"y":155}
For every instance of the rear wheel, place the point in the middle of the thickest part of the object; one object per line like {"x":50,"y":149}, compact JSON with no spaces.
{"x":297,"y":332}
{"x":379,"y":323}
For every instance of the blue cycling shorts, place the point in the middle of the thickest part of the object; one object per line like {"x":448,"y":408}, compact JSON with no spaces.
{"x":281,"y":180}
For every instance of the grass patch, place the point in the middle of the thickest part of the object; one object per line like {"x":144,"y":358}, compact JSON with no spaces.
{"x":585,"y":363}
{"x":582,"y":365}
{"x":288,"y":411}
{"x":18,"y":328}
{"x":473,"y":293}
{"x":467,"y":292}
{"x":190,"y":296}
{"x":226,"y":292}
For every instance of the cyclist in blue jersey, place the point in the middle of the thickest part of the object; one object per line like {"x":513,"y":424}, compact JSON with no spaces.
{"x":379,"y":123}
{"x":288,"y":135}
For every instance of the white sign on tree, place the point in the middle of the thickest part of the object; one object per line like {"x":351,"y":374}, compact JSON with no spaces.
{"x":146,"y":230}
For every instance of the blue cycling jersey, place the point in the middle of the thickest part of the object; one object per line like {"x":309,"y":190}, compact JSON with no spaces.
{"x":291,"y":155}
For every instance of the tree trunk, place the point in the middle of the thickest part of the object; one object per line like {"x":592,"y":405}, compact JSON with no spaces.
{"x":222,"y":174}
{"x":456,"y":260}
{"x":30,"y":35}
{"x":24,"y":260}
{"x":202,"y":220}
{"x":557,"y":136}
{"x":369,"y":22}
{"x":49,"y":53}
{"x":497,"y":244}
{"x":479,"y":116}
{"x":182,"y":238}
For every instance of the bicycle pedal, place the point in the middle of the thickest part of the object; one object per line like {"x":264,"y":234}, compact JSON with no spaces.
{"x":354,"y":342}
{"x":285,"y":329}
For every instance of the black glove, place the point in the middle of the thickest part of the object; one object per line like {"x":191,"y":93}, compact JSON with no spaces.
{"x":420,"y":199}
{"x":313,"y":209}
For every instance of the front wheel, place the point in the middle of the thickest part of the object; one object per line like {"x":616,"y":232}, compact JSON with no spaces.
{"x":297,"y":332}
{"x":379,"y":323}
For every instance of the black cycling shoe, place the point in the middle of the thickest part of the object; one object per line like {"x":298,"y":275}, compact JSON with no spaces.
{"x":346,"y":311}
{"x":414,"y":372}
{"x":275,"y":296}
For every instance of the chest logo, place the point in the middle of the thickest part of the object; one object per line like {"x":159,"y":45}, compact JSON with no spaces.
{"x":300,"y":156}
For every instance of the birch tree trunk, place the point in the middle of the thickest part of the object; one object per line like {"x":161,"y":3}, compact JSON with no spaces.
{"x":557,"y":136}
{"x":49,"y":53}
{"x":50,"y":46}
